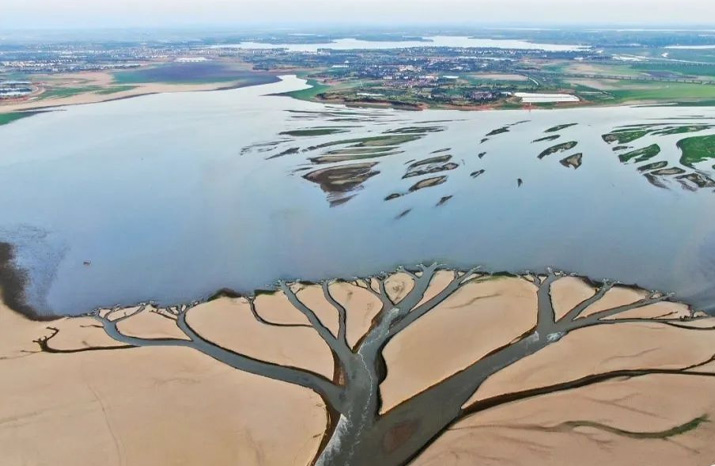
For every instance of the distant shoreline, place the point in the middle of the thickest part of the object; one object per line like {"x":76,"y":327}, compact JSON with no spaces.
{"x":146,"y":89}
{"x":140,"y":90}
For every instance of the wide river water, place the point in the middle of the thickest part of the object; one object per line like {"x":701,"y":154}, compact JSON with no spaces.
{"x":171,"y":197}
{"x":433,"y":41}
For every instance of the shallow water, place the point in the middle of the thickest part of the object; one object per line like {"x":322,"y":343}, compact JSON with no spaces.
{"x":172,"y":197}
{"x":436,"y":41}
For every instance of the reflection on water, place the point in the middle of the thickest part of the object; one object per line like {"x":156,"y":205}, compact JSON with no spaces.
{"x":171,"y":197}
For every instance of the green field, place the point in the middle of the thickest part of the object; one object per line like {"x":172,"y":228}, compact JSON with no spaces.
{"x":683,"y":69}
{"x":62,"y":92}
{"x":673,"y":92}
{"x":697,"y":149}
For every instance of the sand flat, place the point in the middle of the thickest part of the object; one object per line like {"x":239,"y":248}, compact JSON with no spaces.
{"x":175,"y":406}
{"x":530,"y":433}
{"x":144,"y":407}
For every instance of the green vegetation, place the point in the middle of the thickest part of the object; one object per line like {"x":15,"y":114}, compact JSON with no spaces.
{"x":547,"y":138}
{"x":63,"y":92}
{"x":683,"y":69}
{"x":665,"y":434}
{"x":697,"y":149}
{"x":430,"y":160}
{"x":115,"y":90}
{"x":428,"y":183}
{"x":658,"y":91}
{"x":625,"y":136}
{"x":682,"y":129}
{"x":653,"y":166}
{"x":344,"y":178}
{"x":7,"y":118}
{"x":313,"y":132}
{"x":558,"y":128}
{"x":503,"y":129}
{"x":640,"y":155}
{"x":558,"y":148}
{"x":311,"y":93}
{"x":430,"y":165}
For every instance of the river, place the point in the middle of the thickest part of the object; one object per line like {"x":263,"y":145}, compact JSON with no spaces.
{"x":171,"y":197}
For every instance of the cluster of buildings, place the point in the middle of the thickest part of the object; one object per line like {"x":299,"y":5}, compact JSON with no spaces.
{"x":45,"y":66}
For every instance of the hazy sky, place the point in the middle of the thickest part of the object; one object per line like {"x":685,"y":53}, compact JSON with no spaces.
{"x":112,"y":13}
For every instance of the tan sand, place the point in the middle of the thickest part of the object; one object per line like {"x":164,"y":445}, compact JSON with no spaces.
{"x":174,"y":406}
{"x":529,"y":433}
{"x":143,"y":407}
{"x":90,"y":98}
{"x":452,"y":336}
{"x":229,"y":323}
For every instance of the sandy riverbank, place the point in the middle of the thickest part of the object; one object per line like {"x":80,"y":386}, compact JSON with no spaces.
{"x":174,"y":406}
{"x":101,"y":87}
{"x":93,"y":97}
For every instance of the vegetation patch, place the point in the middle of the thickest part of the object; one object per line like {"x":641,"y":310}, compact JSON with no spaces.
{"x":313,"y":132}
{"x":443,"y":201}
{"x":289,"y":151}
{"x":115,"y":90}
{"x":640,"y":155}
{"x":344,"y":178}
{"x":428,"y":183}
{"x":558,"y":148}
{"x":7,"y":118}
{"x":429,"y":169}
{"x":502,"y":130}
{"x":311,"y":93}
{"x":547,"y":138}
{"x":696,"y":149}
{"x":653,"y":166}
{"x":625,"y":136}
{"x":558,"y":128}
{"x":64,"y":92}
{"x":682,"y":129}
